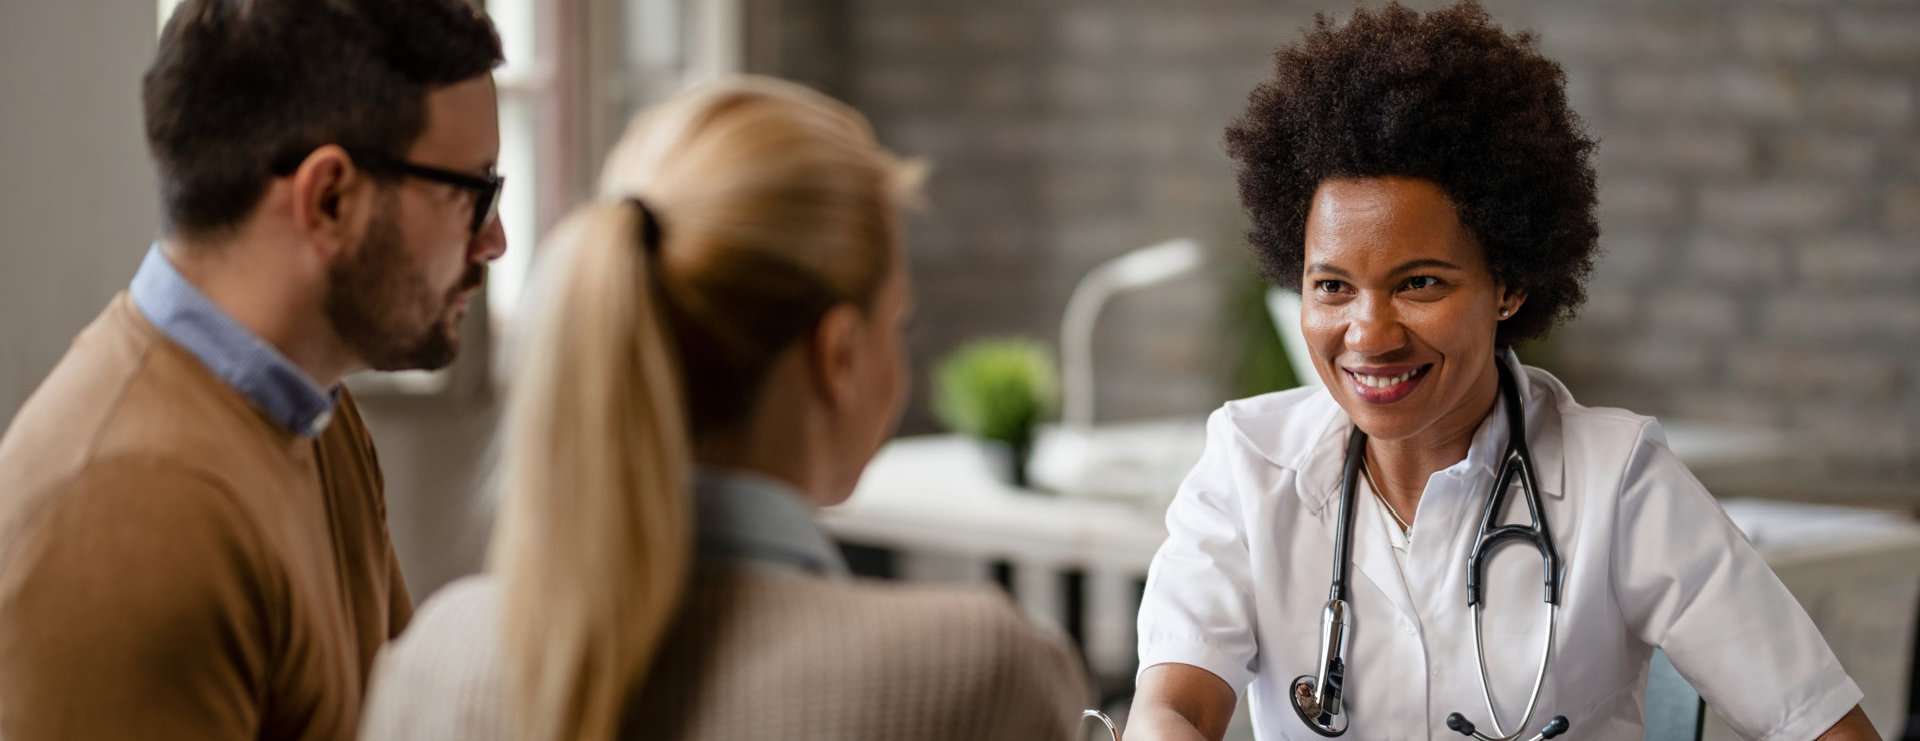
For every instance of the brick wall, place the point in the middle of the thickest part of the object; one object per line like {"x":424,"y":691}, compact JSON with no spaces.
{"x":1763,"y":245}
{"x":1760,"y":167}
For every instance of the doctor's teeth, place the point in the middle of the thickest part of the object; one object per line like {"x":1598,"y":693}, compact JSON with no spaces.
{"x":1381,"y":382}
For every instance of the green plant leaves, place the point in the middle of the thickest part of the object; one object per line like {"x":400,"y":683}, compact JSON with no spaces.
{"x":997,"y":389}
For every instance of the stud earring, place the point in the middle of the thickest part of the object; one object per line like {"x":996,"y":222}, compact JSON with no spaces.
{"x":1505,"y":312}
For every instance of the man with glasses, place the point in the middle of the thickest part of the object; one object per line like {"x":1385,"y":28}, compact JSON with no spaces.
{"x":193,"y":541}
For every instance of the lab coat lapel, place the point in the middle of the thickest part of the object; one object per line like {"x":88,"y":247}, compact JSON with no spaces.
{"x":1373,"y":557}
{"x":1319,"y":491}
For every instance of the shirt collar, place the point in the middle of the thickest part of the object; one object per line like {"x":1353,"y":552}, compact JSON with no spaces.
{"x":235,"y":355}
{"x":1540,"y":398}
{"x":750,"y":517}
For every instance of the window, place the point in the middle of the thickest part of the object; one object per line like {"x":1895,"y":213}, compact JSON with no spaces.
{"x":531,"y":152}
{"x":624,"y":55}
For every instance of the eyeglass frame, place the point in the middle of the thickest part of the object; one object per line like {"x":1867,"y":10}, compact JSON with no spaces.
{"x":486,"y":190}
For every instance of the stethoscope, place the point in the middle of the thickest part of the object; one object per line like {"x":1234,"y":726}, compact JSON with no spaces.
{"x":1316,"y":698}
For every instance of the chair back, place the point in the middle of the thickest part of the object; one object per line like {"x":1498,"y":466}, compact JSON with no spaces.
{"x":1675,"y":711}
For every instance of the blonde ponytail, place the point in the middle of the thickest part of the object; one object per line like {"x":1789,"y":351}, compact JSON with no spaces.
{"x":777,"y":203}
{"x":592,"y":546}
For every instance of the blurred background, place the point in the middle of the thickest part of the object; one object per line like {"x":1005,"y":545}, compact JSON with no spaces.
{"x":1760,"y":202}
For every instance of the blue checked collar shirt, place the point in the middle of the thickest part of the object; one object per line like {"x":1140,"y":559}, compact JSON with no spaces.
{"x":235,"y":355}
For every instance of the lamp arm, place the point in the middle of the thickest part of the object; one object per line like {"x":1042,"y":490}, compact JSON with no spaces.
{"x":1142,"y":267}
{"x":1076,"y":348}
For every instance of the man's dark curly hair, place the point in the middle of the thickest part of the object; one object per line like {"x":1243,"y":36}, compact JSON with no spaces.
{"x":1447,"y":97}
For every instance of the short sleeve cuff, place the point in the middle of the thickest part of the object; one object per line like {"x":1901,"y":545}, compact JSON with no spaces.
{"x":1821,"y":711}
{"x":1194,"y":653}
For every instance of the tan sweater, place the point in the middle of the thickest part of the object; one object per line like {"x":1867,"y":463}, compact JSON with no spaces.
{"x":765,"y":653}
{"x":174,"y":565}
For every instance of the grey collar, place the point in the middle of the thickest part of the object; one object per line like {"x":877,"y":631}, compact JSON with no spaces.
{"x":746,"y":516}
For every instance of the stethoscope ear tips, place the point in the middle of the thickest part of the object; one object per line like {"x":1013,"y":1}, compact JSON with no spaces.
{"x":1459,"y":724}
{"x":1554,"y":727}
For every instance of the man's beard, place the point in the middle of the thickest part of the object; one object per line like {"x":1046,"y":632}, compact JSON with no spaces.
{"x":376,"y":298}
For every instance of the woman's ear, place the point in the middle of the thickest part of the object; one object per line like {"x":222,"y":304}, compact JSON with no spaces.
{"x":834,"y":355}
{"x":1511,"y":300}
{"x":332,"y":200}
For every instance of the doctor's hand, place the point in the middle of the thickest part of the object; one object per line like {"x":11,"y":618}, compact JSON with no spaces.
{"x":1852,"y":727}
{"x":1178,"y":702}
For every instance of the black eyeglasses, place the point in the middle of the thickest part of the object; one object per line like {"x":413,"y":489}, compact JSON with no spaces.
{"x":486,"y":190}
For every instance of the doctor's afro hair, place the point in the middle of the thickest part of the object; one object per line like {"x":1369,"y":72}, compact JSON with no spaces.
{"x":1447,"y":97}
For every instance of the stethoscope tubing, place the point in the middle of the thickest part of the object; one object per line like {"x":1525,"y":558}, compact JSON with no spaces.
{"x":1343,"y":543}
{"x":1486,"y":681}
{"x":1516,"y":461}
{"x":1317,"y":698}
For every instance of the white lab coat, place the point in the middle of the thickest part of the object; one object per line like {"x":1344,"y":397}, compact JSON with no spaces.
{"x":1650,"y":560}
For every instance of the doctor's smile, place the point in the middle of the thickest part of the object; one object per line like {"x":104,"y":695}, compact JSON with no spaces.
{"x":1385,"y":386}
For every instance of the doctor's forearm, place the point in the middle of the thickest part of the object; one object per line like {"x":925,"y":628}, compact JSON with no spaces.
{"x":1178,"y":702}
{"x":1852,"y":727}
{"x":1161,"y":724}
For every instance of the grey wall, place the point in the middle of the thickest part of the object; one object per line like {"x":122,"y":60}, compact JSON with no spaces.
{"x":1061,"y":135}
{"x":77,"y":205}
{"x":1760,"y":164}
{"x":1760,"y":171}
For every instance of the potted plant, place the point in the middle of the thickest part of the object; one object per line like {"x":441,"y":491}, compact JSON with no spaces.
{"x":996,"y":390}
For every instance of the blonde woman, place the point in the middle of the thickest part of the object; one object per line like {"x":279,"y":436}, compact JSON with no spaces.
{"x":713,"y":351}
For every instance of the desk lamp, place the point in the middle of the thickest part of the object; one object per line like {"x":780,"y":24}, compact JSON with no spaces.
{"x":1067,"y":464}
{"x":1137,"y":269}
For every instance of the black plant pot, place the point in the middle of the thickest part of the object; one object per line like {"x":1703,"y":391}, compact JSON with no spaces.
{"x":1009,"y":460}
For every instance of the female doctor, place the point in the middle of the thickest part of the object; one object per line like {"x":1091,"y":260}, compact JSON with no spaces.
{"x":1424,"y":183}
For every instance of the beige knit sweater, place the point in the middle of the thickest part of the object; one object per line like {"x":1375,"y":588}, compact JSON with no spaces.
{"x":765,"y":653}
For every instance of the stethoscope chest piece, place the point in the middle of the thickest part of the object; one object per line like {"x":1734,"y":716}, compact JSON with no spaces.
{"x":1326,"y":720}
{"x":1316,"y":699}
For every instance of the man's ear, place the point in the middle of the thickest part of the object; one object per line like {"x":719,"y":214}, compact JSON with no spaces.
{"x":333,"y":199}
{"x":833,"y":354}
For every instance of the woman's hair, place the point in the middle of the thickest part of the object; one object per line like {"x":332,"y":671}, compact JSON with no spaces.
{"x":731,"y":218}
{"x":1447,"y":97}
